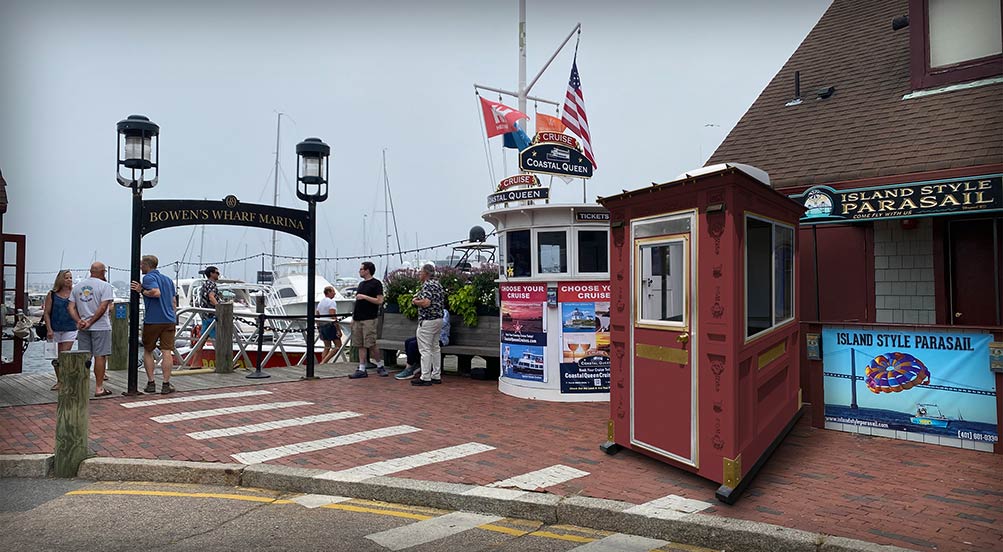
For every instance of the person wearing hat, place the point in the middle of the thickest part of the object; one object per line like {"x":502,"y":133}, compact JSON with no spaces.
{"x":208,"y":297}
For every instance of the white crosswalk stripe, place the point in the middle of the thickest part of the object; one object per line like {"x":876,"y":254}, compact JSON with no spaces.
{"x":539,"y":479}
{"x":195,"y":398}
{"x":317,"y":500}
{"x":429,"y":530}
{"x":195,"y":414}
{"x":619,"y":542}
{"x":273,"y":453}
{"x":387,"y":467}
{"x":277,"y":424}
{"x":669,"y":507}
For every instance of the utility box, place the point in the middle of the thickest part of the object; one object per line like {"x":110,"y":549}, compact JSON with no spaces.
{"x":704,"y":322}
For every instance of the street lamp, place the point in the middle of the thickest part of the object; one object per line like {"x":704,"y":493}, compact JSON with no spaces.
{"x":138,"y":147}
{"x":311,"y":187}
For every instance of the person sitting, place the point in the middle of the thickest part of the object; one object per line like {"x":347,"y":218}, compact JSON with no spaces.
{"x":414,"y":356}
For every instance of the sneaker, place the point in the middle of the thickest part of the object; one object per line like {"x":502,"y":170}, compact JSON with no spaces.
{"x":360,"y":373}
{"x":382,"y":371}
{"x":437,"y":381}
{"x":167,"y":389}
{"x":421,"y":383}
{"x":151,"y":387}
{"x":405,"y":373}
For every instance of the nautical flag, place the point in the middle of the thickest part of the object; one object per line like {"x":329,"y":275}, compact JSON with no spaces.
{"x":546,"y":123}
{"x":574,"y":113}
{"x":517,"y":140}
{"x":499,"y":118}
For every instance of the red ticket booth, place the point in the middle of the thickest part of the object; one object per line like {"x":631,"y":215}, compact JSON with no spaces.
{"x":704,"y":322}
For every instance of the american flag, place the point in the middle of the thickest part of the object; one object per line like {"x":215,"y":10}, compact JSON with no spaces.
{"x":574,"y":113}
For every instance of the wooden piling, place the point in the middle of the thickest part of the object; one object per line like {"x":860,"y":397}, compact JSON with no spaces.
{"x":223,"y":344}
{"x":119,"y":359}
{"x":72,"y":416}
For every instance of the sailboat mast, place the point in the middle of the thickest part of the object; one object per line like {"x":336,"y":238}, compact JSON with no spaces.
{"x":386,"y":213}
{"x":275,"y":189}
{"x":523,"y":92}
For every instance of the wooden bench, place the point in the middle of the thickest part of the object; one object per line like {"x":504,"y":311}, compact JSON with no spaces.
{"x":465,"y":342}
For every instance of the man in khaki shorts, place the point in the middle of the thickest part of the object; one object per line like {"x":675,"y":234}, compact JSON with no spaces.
{"x":161,"y":321}
{"x":368,"y":298}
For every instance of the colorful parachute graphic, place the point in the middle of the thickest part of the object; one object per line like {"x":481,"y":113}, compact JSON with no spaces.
{"x":895,"y":372}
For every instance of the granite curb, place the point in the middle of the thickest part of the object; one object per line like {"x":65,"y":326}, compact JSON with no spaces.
{"x":712,"y":531}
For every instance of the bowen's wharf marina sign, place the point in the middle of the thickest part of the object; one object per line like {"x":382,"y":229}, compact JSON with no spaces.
{"x":160,"y":214}
{"x":980,"y":194}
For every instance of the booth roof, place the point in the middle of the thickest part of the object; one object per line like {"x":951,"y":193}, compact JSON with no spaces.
{"x":754,"y":173}
{"x":865,"y":128}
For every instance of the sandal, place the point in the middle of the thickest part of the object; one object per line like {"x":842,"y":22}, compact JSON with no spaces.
{"x":103,"y":393}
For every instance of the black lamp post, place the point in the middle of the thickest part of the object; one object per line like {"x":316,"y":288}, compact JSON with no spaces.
{"x":311,"y":187}
{"x":138,"y":153}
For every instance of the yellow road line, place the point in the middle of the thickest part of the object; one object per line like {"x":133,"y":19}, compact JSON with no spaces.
{"x":572,"y":538}
{"x":247,"y":498}
{"x":506,"y":530}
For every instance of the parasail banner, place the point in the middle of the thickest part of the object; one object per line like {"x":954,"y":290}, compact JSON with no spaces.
{"x":922,"y":386}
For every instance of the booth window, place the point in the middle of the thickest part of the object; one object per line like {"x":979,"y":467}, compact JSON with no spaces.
{"x":552,"y":252}
{"x":517,"y":254}
{"x":953,"y":42}
{"x":662,"y":279}
{"x":769,"y":273}
{"x":593,"y":251}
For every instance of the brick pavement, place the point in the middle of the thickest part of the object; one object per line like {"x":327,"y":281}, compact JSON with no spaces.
{"x":881,"y":490}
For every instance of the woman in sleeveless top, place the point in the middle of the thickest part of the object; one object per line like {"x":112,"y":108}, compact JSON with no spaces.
{"x":59,"y":324}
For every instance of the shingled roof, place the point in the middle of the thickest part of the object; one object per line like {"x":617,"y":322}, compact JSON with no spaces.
{"x":865,"y":129}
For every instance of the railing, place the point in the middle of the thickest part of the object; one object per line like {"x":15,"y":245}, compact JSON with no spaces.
{"x":265,"y":334}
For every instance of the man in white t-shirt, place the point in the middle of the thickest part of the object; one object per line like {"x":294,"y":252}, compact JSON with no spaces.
{"x":330,"y":330}
{"x":89,"y":304}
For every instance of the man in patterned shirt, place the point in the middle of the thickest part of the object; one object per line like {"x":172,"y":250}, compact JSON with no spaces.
{"x":430,"y":305}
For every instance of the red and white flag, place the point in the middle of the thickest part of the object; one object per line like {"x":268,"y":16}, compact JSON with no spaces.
{"x":499,"y":118}
{"x":574,"y":113}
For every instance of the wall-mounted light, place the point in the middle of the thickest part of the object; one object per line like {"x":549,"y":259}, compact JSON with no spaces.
{"x":900,"y":22}
{"x":715,"y":208}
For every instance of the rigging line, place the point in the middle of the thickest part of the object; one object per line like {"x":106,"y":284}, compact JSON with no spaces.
{"x":484,"y":135}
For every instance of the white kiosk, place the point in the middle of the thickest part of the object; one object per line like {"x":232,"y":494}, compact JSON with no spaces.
{"x":554,"y":285}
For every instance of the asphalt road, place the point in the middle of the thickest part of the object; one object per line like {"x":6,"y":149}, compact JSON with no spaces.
{"x":53,"y":514}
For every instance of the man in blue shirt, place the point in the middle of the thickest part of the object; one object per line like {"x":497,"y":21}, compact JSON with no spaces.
{"x":160,"y":323}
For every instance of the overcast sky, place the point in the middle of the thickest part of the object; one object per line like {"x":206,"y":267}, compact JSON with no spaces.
{"x":364,"y":77}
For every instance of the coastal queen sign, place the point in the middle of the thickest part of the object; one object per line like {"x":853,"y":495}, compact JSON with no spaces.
{"x":556,"y":154}
{"x":980,"y":194}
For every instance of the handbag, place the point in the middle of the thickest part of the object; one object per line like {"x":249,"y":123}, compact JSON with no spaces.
{"x":50,"y":350}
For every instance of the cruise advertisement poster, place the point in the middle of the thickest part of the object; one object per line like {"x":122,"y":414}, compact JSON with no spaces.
{"x":585,"y":365}
{"x":523,"y":336}
{"x":911,"y":382}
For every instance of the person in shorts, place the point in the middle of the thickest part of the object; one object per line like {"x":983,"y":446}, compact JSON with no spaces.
{"x":330,"y":330}
{"x":368,"y":298}
{"x":59,"y":325}
{"x":208,"y":298}
{"x":90,"y":303}
{"x":160,"y":324}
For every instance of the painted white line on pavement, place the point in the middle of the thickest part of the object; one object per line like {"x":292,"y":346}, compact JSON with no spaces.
{"x":277,"y":424}
{"x":618,"y":542}
{"x":541,"y":478}
{"x":387,"y":467}
{"x":195,"y":414}
{"x":669,"y":507}
{"x":492,"y":492}
{"x":264,"y":455}
{"x":429,"y":530}
{"x":317,"y":500}
{"x":193,"y":398}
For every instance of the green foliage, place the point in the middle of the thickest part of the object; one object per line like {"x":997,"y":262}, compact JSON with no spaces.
{"x":407,"y":308}
{"x":398,"y":282}
{"x":463,"y":303}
